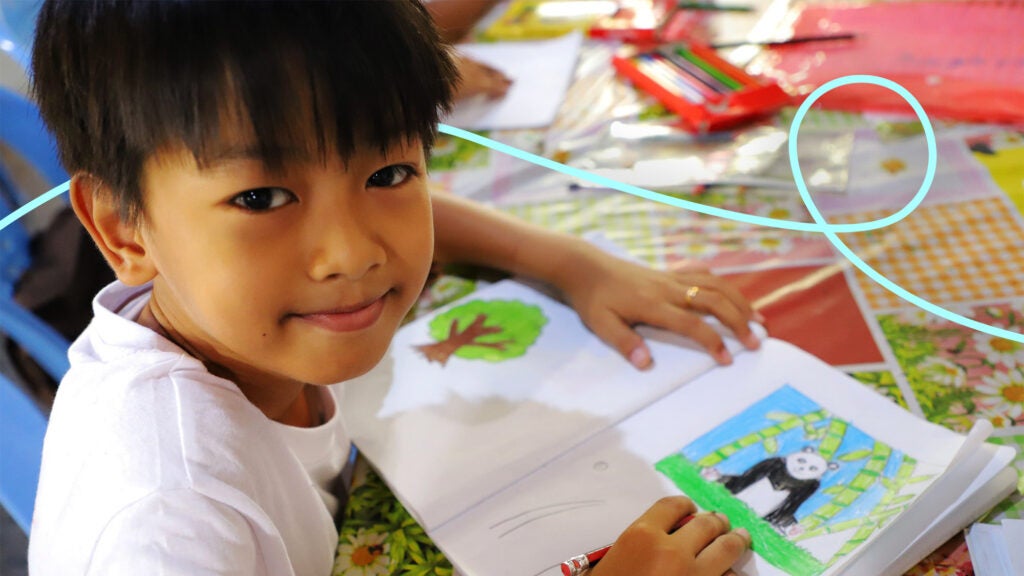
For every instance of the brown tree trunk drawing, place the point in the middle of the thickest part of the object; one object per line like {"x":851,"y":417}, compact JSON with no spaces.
{"x":441,"y":351}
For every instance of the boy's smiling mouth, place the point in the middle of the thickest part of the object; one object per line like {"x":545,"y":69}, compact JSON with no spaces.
{"x":348,"y":318}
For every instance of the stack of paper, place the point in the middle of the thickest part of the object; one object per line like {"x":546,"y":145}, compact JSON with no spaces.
{"x":997,"y":549}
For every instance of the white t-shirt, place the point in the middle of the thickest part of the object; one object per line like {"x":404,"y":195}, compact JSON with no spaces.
{"x":152,"y":465}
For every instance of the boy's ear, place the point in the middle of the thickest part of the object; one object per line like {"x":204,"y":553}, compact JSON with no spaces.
{"x":120,"y":243}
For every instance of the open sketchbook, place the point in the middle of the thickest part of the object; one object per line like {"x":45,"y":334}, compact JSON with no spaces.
{"x":518,"y":440}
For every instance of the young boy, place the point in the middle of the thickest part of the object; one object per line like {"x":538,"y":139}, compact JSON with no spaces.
{"x":255,"y":176}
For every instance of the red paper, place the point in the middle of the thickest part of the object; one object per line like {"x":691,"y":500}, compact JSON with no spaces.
{"x":961,"y":60}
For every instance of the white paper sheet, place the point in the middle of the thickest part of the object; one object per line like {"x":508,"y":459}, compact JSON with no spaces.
{"x":540,"y":72}
{"x":989,"y":553}
{"x":1013,"y":536}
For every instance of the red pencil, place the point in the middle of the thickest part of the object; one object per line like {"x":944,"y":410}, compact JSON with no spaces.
{"x":577,"y":565}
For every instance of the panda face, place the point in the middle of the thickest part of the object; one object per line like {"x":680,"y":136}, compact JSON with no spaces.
{"x":806,"y":466}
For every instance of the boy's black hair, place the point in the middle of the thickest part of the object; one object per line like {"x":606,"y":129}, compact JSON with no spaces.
{"x":117,"y":80}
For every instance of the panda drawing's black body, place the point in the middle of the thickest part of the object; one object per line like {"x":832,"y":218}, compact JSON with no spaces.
{"x":776,"y":487}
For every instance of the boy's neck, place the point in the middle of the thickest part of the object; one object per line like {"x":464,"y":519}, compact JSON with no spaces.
{"x":291,"y":403}
{"x":308,"y":411}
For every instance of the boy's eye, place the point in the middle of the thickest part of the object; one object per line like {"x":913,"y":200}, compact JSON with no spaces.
{"x":262,"y":199}
{"x":391,"y":176}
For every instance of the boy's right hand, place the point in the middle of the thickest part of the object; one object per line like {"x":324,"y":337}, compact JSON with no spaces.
{"x":704,"y":546}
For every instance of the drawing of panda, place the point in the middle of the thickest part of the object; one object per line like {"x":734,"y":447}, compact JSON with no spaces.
{"x":776,"y":487}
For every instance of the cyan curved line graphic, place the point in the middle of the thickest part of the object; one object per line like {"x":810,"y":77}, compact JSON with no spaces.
{"x":819,"y":225}
{"x":13,"y":216}
{"x":889,"y":285}
{"x":711,"y":210}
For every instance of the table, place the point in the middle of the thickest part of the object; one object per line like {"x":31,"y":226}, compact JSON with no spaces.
{"x":963,"y":249}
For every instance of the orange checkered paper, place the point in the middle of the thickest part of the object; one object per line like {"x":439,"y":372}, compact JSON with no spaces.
{"x":947,"y":253}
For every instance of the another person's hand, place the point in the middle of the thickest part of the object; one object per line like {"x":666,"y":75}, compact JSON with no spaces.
{"x":479,"y":78}
{"x":704,"y":546}
{"x":612,"y":295}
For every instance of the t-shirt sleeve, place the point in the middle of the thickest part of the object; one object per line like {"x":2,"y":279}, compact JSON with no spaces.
{"x":177,"y":532}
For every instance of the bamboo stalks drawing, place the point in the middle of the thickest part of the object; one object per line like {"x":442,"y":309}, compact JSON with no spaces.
{"x":891,"y":504}
{"x":765,"y":435}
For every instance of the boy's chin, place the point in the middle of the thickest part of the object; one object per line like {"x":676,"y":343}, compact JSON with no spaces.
{"x":333,"y":373}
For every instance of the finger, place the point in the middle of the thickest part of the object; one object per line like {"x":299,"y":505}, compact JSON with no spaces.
{"x":723,"y":286}
{"x":666,"y":513}
{"x":496,"y":88}
{"x":612,"y":330}
{"x":489,"y":69}
{"x":711,"y":301}
{"x":691,"y":267}
{"x":688,"y":324}
{"x":700,"y":532}
{"x":723,"y":552}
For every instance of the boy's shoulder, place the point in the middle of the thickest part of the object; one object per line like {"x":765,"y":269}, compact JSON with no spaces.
{"x":135,"y":403}
{"x":132,"y":393}
{"x":138,"y":420}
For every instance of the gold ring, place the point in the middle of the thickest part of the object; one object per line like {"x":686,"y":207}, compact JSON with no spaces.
{"x":691,"y":293}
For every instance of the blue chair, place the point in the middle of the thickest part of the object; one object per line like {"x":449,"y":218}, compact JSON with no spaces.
{"x":23,"y":131}
{"x":22,"y":422}
{"x":17,"y":28}
{"x":22,"y":427}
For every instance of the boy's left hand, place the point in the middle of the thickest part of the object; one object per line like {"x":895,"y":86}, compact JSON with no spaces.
{"x":612,"y":296}
{"x":477,"y":78}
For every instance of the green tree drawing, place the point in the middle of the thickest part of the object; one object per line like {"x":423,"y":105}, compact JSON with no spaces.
{"x":491,"y":330}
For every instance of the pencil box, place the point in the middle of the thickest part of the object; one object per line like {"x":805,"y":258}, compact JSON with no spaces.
{"x":705,"y":90}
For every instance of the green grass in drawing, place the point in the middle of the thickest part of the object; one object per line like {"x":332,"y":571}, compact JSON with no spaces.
{"x":809,"y":486}
{"x":491,"y":330}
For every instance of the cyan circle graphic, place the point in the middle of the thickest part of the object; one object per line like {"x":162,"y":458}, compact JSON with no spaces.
{"x":829,"y":231}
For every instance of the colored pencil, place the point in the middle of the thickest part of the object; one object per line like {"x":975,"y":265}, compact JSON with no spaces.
{"x":716,"y":86}
{"x":706,"y":66}
{"x":669,"y":78}
{"x":577,"y":565}
{"x":785,"y":42}
{"x":714,"y":7}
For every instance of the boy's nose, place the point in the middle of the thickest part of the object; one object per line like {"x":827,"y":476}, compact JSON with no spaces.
{"x":344,"y":247}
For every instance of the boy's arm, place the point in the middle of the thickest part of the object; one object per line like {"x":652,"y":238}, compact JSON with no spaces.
{"x":456,"y":18}
{"x":611,"y":295}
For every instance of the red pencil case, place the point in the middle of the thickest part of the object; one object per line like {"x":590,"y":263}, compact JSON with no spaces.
{"x":727,"y":94}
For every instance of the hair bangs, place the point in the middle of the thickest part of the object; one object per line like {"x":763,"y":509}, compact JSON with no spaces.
{"x":120,"y":80}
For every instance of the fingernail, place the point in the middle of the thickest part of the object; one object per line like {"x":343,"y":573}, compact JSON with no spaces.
{"x":723,"y":357}
{"x":751,"y":341}
{"x":723,"y":517}
{"x":759,"y":318}
{"x":640,"y":357}
{"x":744,"y":534}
